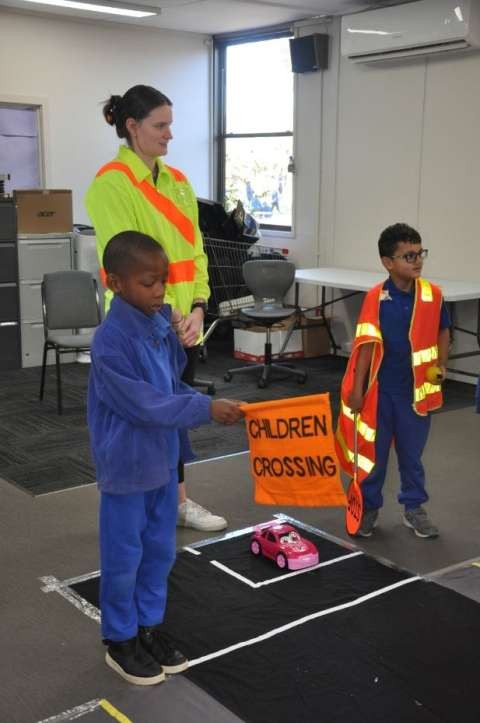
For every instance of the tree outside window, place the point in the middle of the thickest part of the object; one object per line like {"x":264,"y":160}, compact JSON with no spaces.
{"x":256,"y":135}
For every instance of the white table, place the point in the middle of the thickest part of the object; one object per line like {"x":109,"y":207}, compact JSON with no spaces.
{"x":356,"y":281}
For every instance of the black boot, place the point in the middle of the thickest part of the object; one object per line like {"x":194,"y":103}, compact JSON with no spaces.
{"x":161,"y":648}
{"x":135,"y":664}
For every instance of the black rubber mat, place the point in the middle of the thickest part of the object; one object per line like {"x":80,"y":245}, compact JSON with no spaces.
{"x":405,"y":655}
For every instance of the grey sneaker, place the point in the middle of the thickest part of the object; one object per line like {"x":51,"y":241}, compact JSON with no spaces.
{"x":369,"y":522}
{"x":418,"y":521}
{"x":193,"y":515}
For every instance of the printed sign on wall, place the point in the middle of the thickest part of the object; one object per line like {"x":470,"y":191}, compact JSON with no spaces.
{"x":292,"y":452}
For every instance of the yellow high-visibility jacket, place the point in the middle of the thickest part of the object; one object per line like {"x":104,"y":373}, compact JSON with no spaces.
{"x":123,"y":197}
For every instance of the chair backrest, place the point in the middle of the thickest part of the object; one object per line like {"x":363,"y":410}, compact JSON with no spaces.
{"x":269,"y":279}
{"x":70,"y":300}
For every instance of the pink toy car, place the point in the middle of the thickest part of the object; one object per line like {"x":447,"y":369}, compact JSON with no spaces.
{"x":282,"y":543}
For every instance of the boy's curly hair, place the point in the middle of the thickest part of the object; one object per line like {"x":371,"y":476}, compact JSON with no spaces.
{"x":395,"y":234}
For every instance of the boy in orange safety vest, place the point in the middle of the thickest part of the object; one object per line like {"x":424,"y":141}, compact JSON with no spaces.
{"x":403,"y":330}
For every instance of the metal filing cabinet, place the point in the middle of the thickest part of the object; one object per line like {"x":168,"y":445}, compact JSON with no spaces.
{"x":9,"y":306}
{"x":38,"y":255}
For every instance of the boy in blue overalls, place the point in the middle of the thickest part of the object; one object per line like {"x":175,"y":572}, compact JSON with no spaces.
{"x":398,"y":397}
{"x":138,"y":414}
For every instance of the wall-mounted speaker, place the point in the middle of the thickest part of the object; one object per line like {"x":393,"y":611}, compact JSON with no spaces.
{"x":309,"y":53}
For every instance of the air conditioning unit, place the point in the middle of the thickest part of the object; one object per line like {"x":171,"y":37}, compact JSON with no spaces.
{"x":416,"y":28}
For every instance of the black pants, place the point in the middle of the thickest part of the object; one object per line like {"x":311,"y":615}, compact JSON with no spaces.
{"x":188,"y":376}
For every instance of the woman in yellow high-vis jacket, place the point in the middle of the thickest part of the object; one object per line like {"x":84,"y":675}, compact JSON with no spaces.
{"x":138,"y":191}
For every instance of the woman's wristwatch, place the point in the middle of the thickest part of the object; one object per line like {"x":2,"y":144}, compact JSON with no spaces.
{"x":200,"y":305}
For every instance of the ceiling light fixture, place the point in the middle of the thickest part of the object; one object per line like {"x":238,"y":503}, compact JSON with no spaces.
{"x":111,"y":8}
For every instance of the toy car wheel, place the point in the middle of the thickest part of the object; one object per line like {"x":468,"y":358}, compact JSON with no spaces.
{"x":255,"y":548}
{"x":281,"y":561}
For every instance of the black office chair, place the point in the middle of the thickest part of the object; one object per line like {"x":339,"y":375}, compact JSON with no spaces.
{"x":70,"y":302}
{"x":268,"y":280}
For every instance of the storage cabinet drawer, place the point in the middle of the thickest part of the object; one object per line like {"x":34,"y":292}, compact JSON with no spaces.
{"x":8,"y":302}
{"x":8,"y":220}
{"x":8,"y":263}
{"x":31,"y":301}
{"x":37,"y":258}
{"x":9,"y":345}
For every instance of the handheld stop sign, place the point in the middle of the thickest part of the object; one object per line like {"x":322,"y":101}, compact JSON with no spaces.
{"x":354,"y":509}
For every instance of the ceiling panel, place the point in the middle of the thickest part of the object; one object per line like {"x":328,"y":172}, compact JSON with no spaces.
{"x":212,"y":17}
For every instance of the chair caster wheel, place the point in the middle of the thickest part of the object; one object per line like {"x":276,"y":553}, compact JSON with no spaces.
{"x":261,"y":384}
{"x":227,"y":377}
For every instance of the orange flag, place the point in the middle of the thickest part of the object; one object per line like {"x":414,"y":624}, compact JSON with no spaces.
{"x":292,"y":452}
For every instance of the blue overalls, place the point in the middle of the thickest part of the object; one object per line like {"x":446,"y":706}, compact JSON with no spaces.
{"x":396,"y":419}
{"x":137,"y":552}
{"x":138,"y":414}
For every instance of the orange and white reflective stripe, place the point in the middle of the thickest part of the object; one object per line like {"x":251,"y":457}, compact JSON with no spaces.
{"x":364,"y":463}
{"x":178,"y":175}
{"x":425,"y":356}
{"x":367,"y":432}
{"x":366,"y":329}
{"x":426,"y":293}
{"x":161,"y":202}
{"x":179,"y":271}
{"x":425,"y":389}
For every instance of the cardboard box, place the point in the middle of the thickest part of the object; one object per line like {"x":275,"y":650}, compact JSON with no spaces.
{"x":249,"y":344}
{"x":315,"y":339}
{"x":44,"y":211}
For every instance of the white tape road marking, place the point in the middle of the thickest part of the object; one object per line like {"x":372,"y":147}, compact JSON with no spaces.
{"x":279,"y":578}
{"x":191,"y":550}
{"x":74,"y":713}
{"x":301,"y":621}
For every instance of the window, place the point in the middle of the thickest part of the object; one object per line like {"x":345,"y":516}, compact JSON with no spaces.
{"x":255,"y":128}
{"x":19,"y":147}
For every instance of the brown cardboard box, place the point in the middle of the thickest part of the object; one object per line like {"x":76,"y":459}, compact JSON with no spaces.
{"x":316,"y":341}
{"x":44,"y":211}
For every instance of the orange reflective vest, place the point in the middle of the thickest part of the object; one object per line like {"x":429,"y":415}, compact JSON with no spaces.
{"x":423,"y":335}
{"x":123,"y":197}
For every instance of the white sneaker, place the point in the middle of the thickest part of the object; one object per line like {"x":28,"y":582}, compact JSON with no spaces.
{"x":191,"y":514}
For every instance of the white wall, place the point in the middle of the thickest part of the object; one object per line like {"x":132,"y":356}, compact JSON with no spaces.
{"x":70,"y":67}
{"x":396,"y":141}
{"x":374,"y":144}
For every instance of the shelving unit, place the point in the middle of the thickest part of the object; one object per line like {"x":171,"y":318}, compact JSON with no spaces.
{"x":10,"y":355}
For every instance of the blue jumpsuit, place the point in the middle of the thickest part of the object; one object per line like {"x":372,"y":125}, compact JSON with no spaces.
{"x":396,"y":419}
{"x":138,"y":414}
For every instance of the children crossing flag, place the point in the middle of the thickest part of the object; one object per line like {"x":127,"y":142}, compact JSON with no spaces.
{"x":292,"y":452}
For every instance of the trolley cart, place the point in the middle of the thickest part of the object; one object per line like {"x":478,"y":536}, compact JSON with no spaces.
{"x":229,"y":293}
